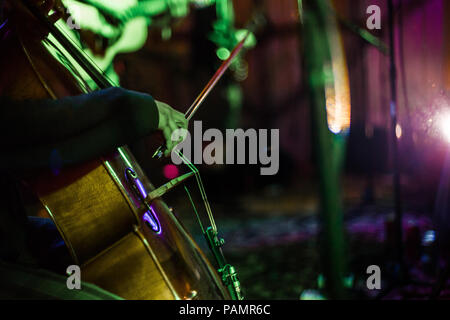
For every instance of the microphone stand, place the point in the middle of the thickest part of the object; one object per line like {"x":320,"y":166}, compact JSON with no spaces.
{"x":398,"y":220}
{"x":401,"y":272}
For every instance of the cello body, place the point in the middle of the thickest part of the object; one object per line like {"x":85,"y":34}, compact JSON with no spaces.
{"x":121,"y":245}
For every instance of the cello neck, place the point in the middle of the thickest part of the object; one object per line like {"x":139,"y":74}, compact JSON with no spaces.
{"x":78,"y":55}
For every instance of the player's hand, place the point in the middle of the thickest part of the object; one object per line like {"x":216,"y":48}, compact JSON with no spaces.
{"x":169,"y":121}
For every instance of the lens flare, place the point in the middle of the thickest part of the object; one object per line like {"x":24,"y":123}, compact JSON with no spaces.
{"x":444,"y":124}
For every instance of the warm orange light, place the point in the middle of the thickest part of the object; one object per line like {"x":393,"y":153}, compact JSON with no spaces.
{"x":337,"y":92}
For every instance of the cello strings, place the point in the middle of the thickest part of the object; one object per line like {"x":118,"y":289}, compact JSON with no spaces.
{"x":195,"y":209}
{"x":77,"y":46}
{"x":201,"y":188}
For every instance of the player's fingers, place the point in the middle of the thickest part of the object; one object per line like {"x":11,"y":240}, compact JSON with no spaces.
{"x":180,"y":120}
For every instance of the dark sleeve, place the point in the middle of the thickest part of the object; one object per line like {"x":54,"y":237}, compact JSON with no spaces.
{"x":39,"y":134}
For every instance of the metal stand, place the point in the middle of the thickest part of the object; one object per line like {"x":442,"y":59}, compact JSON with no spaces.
{"x":401,"y":276}
{"x":396,"y":165}
{"x":227,"y":272}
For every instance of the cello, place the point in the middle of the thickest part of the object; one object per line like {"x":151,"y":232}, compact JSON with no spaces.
{"x":115,"y":225}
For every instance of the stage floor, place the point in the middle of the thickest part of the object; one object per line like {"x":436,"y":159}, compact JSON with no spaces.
{"x":274,"y":247}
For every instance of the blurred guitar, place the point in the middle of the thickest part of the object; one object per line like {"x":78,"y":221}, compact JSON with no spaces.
{"x":107,"y":28}
{"x":104,"y":33}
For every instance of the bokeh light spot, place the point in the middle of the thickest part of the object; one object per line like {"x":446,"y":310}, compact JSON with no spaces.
{"x":171,"y":171}
{"x":223,"y":53}
{"x":398,"y":131}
